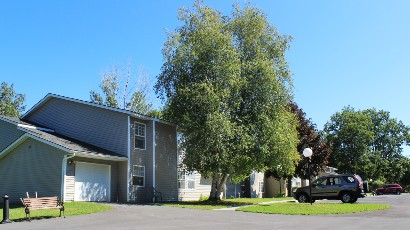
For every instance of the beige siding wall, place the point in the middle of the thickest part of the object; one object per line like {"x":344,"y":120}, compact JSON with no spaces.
{"x":274,"y":187}
{"x":31,"y":167}
{"x":117,"y":175}
{"x":69,"y":182}
{"x":202,"y":188}
{"x":8,"y":134}
{"x":256,"y":179}
{"x":100,"y":127}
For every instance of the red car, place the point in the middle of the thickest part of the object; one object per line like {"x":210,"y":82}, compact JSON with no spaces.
{"x":390,"y":188}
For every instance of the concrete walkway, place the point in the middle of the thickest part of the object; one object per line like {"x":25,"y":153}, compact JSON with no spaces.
{"x":267,"y":202}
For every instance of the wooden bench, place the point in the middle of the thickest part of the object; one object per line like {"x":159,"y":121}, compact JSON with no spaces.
{"x":41,"y":203}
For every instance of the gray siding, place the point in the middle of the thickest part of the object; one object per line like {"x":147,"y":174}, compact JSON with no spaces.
{"x":117,"y":194}
{"x":8,"y":134}
{"x":234,"y":189}
{"x":202,"y":188}
{"x":31,"y":167}
{"x":100,"y":127}
{"x":142,"y":158}
{"x":166,"y":161}
{"x":122,"y":180}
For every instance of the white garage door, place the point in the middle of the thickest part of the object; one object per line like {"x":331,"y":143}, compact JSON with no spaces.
{"x":92,"y":182}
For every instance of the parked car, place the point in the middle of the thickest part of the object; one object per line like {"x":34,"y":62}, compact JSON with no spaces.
{"x":389,"y":189}
{"x":346,"y":187}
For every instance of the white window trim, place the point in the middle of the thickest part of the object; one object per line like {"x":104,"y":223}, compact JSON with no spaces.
{"x":261,"y":188}
{"x":145,"y":134}
{"x":138,"y":186}
{"x":186,"y":180}
{"x":128,"y":158}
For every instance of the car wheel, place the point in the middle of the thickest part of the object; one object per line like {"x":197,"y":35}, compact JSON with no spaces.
{"x":353,"y":200}
{"x":346,"y":197}
{"x":398,"y":192}
{"x":303,"y":198}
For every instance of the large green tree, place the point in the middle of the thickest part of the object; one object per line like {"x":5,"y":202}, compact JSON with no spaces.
{"x":368,"y":142}
{"x":405,"y":179}
{"x":121,"y":89}
{"x":390,"y":135}
{"x":310,"y":137}
{"x":11,"y":103}
{"x":226,"y":83}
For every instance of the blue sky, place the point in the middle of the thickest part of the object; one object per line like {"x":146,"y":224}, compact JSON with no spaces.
{"x":343,"y":53}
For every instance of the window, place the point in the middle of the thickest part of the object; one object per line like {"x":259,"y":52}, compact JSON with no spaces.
{"x":186,"y":180}
{"x":138,"y":176}
{"x":320,"y":181}
{"x":181,"y":179}
{"x":190,"y":178}
{"x":139,"y":135}
{"x":349,"y":179}
{"x":298,"y":184}
{"x":261,"y":188}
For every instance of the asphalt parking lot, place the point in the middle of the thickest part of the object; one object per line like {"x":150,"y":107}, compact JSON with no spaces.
{"x":154,"y":217}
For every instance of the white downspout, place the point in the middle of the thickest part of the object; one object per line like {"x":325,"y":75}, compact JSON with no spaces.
{"x":153,"y":154}
{"x":129,"y":156}
{"x":63,"y":175}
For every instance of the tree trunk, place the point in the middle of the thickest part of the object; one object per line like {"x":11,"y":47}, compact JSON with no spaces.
{"x":221,"y":184}
{"x":214,"y":187}
{"x":218,"y":182}
{"x":289,"y":186}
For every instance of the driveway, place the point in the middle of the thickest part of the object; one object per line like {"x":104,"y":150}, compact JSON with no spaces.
{"x":155,"y":217}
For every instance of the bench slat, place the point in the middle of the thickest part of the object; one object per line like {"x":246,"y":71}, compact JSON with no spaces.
{"x":41,"y":203}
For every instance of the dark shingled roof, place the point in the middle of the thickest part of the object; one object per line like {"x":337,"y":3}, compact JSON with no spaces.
{"x":60,"y":140}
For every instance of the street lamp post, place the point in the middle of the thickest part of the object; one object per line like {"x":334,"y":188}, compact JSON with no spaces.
{"x":307,"y":152}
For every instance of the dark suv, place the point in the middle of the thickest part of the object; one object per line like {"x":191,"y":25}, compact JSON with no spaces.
{"x":346,"y":187}
{"x":390,"y":188}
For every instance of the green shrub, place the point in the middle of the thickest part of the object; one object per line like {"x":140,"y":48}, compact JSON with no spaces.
{"x":280,"y":195}
{"x":376,"y":184}
{"x":203,"y":198}
{"x":407,"y":188}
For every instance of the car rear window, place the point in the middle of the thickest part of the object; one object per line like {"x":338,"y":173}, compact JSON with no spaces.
{"x":349,"y":179}
{"x":359,"y":178}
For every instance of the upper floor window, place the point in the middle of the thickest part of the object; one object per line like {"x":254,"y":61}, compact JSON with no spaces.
{"x":139,"y":135}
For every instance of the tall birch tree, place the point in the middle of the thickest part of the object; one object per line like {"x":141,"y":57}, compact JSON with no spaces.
{"x":226,"y":84}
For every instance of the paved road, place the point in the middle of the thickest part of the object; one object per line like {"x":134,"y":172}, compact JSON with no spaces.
{"x":155,"y":217}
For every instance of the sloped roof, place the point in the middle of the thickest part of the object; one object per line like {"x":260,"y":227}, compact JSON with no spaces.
{"x":123,"y":111}
{"x":65,"y":143}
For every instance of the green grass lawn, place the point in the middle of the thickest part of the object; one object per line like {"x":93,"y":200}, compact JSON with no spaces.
{"x":211,"y":205}
{"x":71,"y":209}
{"x":315,"y":209}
